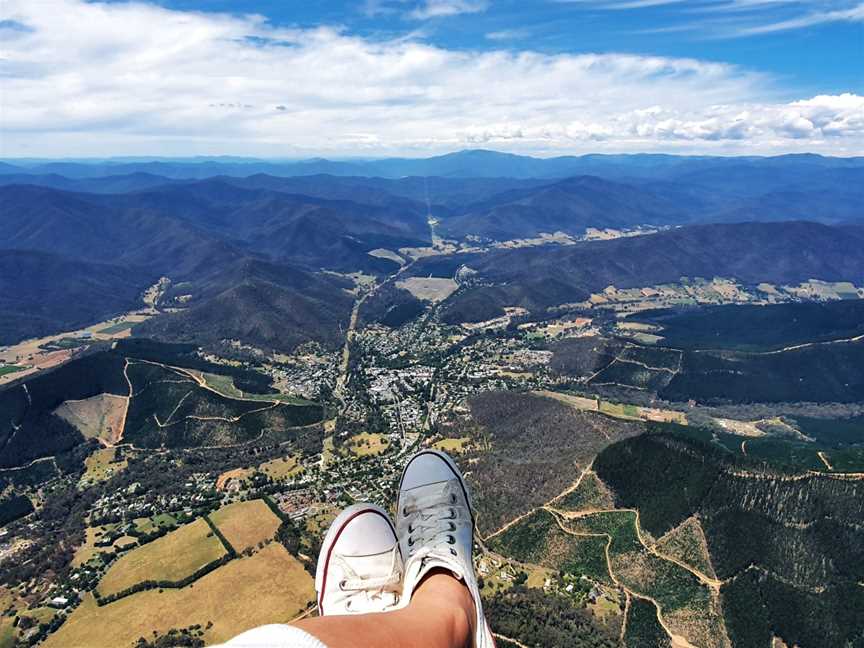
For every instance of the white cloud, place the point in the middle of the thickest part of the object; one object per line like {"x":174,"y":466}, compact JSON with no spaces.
{"x":140,"y":79}
{"x":442,"y":8}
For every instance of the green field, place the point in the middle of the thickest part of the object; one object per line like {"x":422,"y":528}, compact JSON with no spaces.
{"x":225,"y":386}
{"x":9,"y":369}
{"x":117,"y":328}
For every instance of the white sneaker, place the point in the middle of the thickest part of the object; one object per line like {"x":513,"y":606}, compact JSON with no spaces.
{"x":360,"y":565}
{"x":435,"y":524}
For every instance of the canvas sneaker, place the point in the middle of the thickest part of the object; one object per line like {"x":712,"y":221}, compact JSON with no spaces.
{"x":360,"y":565}
{"x":435,"y":525}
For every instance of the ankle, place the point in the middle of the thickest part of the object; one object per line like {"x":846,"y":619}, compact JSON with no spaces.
{"x":441,"y":590}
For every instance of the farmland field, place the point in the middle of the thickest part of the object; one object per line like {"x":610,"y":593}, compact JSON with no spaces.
{"x":171,"y":558}
{"x":271,"y":586}
{"x":245,"y":524}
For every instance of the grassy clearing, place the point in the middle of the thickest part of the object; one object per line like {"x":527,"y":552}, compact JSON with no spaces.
{"x":453,"y":446}
{"x":225,"y":386}
{"x":100,"y":417}
{"x":149,"y":525}
{"x":368,"y":444}
{"x":269,"y":587}
{"x":619,"y":410}
{"x":10,"y":369}
{"x":429,"y":288}
{"x":281,"y":468}
{"x":7,"y":633}
{"x":245,"y":524}
{"x":101,"y":466}
{"x":171,"y":557}
{"x":88,"y":550}
{"x":117,"y":328}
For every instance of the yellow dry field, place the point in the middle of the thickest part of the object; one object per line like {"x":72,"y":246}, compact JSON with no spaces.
{"x":171,"y":557}
{"x":271,"y":586}
{"x":100,"y":417}
{"x":101,"y":466}
{"x":538,"y":576}
{"x":454,"y":446}
{"x":368,"y":444}
{"x":432,"y":289}
{"x":281,"y":468}
{"x":579,"y":402}
{"x":245,"y":524}
{"x":89,"y":549}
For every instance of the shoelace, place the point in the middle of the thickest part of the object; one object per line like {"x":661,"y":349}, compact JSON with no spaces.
{"x":433,"y":518}
{"x":373,"y":589}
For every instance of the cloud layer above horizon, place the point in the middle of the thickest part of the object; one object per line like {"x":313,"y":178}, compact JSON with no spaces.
{"x":98,"y":79}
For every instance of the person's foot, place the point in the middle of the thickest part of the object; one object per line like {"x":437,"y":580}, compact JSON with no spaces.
{"x":360,"y":565}
{"x":435,"y":525}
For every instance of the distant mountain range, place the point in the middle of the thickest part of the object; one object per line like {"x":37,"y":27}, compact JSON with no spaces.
{"x":540,"y":277}
{"x":258,"y":238}
{"x":461,"y":164}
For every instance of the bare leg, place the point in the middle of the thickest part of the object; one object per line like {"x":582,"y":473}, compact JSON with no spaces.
{"x":441,"y":615}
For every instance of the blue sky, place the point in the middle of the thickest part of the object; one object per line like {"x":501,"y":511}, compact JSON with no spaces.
{"x":380,"y":77}
{"x":824,"y":53}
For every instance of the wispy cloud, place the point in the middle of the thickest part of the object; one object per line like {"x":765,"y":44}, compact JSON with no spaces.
{"x":443,"y":8}
{"x":136,"y":78}
{"x":508,"y":34}
{"x":855,"y":14}
{"x":737,"y":18}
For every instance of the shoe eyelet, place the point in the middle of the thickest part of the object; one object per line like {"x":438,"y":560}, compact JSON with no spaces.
{"x":453,"y":551}
{"x":452,"y":514}
{"x":453,"y":498}
{"x":342,"y":584}
{"x":410,"y":542}
{"x":405,"y":512}
{"x":348,"y":604}
{"x":451,"y":540}
{"x":452,"y":526}
{"x":410,"y":529}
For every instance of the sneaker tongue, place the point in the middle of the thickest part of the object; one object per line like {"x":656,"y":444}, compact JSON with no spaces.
{"x":369,"y":566}
{"x":423,"y":564}
{"x":436,"y":495}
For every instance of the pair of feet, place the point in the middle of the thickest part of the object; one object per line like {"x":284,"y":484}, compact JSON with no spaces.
{"x":369,"y":565}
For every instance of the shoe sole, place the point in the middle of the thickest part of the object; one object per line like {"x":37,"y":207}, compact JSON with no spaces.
{"x":332,"y":536}
{"x":454,"y":469}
